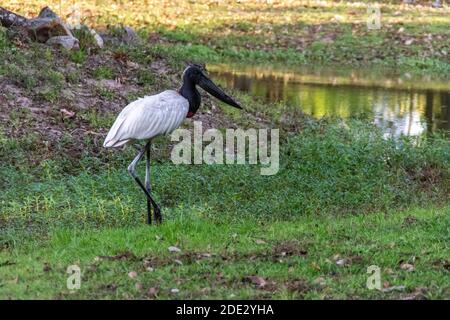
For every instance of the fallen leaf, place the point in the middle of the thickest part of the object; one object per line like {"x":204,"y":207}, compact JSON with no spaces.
{"x":341,"y":262}
{"x":389,"y":271}
{"x":67,"y":114}
{"x":407,"y":267}
{"x":259,"y":241}
{"x":138,"y":286}
{"x":132,"y":65}
{"x":206,"y":290}
{"x":320,"y":281}
{"x":132,"y":274}
{"x":258,"y":281}
{"x":174,"y":291}
{"x":174,"y":249}
{"x":315,"y":265}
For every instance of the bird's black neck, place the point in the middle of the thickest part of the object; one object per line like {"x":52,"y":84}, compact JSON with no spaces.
{"x":190,"y":92}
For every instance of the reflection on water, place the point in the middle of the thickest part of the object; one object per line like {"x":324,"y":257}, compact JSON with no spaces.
{"x":398,"y":104}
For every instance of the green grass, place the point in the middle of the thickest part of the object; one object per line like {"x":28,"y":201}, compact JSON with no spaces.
{"x":310,"y":257}
{"x":330,"y":169}
{"x":103,"y":72}
{"x":77,"y":56}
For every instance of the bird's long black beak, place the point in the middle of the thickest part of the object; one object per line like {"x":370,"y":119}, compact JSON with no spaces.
{"x":206,"y":84}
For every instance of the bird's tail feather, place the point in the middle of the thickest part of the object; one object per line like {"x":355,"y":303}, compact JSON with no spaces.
{"x":114,"y":143}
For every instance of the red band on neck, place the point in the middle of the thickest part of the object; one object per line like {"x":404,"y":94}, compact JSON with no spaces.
{"x":190,"y":114}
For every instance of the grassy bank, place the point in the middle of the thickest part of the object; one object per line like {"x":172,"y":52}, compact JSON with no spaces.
{"x":331,"y":168}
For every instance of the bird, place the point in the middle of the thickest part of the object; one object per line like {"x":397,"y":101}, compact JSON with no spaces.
{"x":160,"y":114}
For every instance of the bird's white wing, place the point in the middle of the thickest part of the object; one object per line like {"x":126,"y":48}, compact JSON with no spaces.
{"x":148,"y":117}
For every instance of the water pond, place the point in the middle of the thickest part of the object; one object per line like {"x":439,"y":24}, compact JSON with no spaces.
{"x":399,"y":104}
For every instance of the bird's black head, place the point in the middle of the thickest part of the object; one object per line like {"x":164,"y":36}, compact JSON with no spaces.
{"x":196,"y":75}
{"x":193,"y":74}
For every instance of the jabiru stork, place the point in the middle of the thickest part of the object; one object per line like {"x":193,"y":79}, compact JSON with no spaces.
{"x":160,"y":114}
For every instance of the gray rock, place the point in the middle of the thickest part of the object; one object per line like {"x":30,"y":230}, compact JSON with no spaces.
{"x":98,"y":39}
{"x":46,"y":25}
{"x":47,"y":13}
{"x":130,"y":35}
{"x":68,"y":42}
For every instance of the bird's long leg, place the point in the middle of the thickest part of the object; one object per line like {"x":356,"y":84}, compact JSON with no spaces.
{"x":147,"y":181}
{"x":132,"y":171}
{"x":156,"y":209}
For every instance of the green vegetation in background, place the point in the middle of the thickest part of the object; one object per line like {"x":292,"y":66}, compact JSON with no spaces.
{"x":411,"y":38}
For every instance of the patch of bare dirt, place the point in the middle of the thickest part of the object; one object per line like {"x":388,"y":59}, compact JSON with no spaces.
{"x":289,"y":248}
{"x":279,"y":251}
{"x":127,"y":255}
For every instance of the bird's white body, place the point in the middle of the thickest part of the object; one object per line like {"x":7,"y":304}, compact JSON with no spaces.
{"x":148,"y":117}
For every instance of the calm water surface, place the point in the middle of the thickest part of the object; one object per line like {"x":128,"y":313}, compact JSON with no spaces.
{"x":400,"y":104}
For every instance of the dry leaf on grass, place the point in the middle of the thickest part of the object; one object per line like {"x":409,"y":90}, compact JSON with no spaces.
{"x":174,"y":249}
{"x":132,"y":274}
